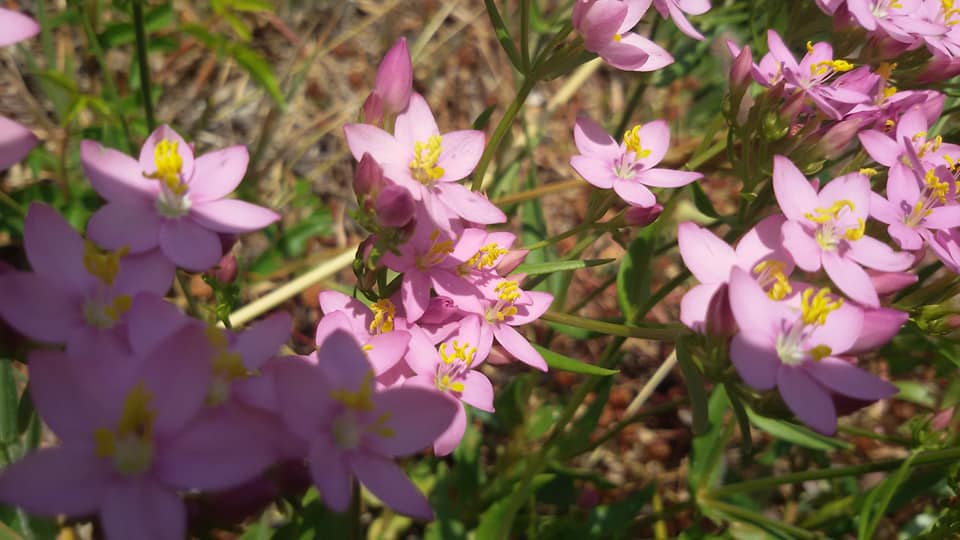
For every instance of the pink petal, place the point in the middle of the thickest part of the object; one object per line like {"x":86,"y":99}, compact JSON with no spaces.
{"x":801,"y":246}
{"x":794,"y":194}
{"x":780,"y":51}
{"x":707,"y":257}
{"x":415,"y":291}
{"x":847,"y":379}
{"x":330,"y":473}
{"x":754,"y":311}
{"x":39,"y":308}
{"x":177,"y":372}
{"x":881,"y":148}
{"x":232,"y":216}
{"x":655,"y":137}
{"x":16,"y":27}
{"x":519,"y":347}
{"x":263,"y":339}
{"x":850,"y":278}
{"x":389,"y":483}
{"x":144,"y":272}
{"x":597,"y":171}
{"x":853,"y":188}
{"x":116,"y":176}
{"x":59,"y":480}
{"x":477,"y":391}
{"x":216,"y":174}
{"x":764,"y":241}
{"x":879,"y":327}
{"x":873,"y":253}
{"x":682,"y":23}
{"x":366,"y":139}
{"x":539,"y":303}
{"x":189,"y":245}
{"x":415,"y":124}
{"x":634,"y":193}
{"x":121,"y":224}
{"x":416,"y":416}
{"x":943,"y":217}
{"x":885,"y":211}
{"x":667,"y":178}
{"x":16,"y":141}
{"x":148,"y":163}
{"x":601,"y":22}
{"x":62,"y":396}
{"x":422,"y":355}
{"x":807,"y":399}
{"x":152,"y":319}
{"x":141,"y":508}
{"x":841,"y":331}
{"x":470,"y":205}
{"x":448,"y":441}
{"x":298,"y":384}
{"x":756,"y":360}
{"x":343,"y":363}
{"x":331,"y":301}
{"x":911,"y":123}
{"x":461,"y":150}
{"x":694,"y":305}
{"x":55,"y":249}
{"x":593,"y":141}
{"x":385,"y":350}
{"x":635,"y":53}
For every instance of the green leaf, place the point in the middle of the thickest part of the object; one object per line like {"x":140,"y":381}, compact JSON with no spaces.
{"x":701,"y":201}
{"x":484,"y":118}
{"x":879,"y":499}
{"x":633,"y":277}
{"x":557,"y":361}
{"x":916,"y":392}
{"x":258,"y":68}
{"x":796,"y":434}
{"x":706,"y":456}
{"x":614,"y":520}
{"x":533,"y":269}
{"x":577,"y":438}
{"x":9,"y":433}
{"x":698,"y":394}
{"x":503,"y":34}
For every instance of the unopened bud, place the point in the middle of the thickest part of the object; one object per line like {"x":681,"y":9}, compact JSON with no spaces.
{"x":395,"y":206}
{"x":639,"y":216}
{"x":440,"y":310}
{"x":394,"y":82}
{"x":740,"y":72}
{"x":890,"y":282}
{"x":368,"y":178}
{"x":373,"y":110}
{"x":509,"y":262}
{"x":720,"y":321}
{"x":838,"y":137}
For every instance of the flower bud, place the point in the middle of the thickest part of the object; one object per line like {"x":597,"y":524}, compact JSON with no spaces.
{"x":890,"y":282}
{"x":373,"y":109}
{"x":394,"y":82}
{"x":943,"y":419}
{"x":638,"y":216}
{"x":879,"y":327}
{"x":838,"y":137}
{"x":395,"y":206}
{"x":440,"y":310}
{"x":226,"y":270}
{"x":720,"y":321}
{"x":368,"y":178}
{"x":740,"y":75}
{"x":509,"y":262}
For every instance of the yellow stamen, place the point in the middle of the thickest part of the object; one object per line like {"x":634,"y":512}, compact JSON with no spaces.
{"x":888,"y":125}
{"x":869,"y":171}
{"x":360,"y":400}
{"x":774,"y":269}
{"x":461,"y":351}
{"x":936,"y":186}
{"x":508,"y":290}
{"x":815,"y":308}
{"x":103,"y":265}
{"x":885,"y":69}
{"x":631,"y":139}
{"x":423,"y":167}
{"x":486,"y":257}
{"x":809,"y":47}
{"x":856,"y":233}
{"x":820,"y":352}
{"x":383,"y":314}
{"x":169,"y":164}
{"x":617,"y":37}
{"x":823,"y":215}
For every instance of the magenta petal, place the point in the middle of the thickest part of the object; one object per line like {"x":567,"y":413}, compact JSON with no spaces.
{"x":539,"y":303}
{"x":841,"y":330}
{"x":903,"y":187}
{"x":178,"y":373}
{"x":667,"y":178}
{"x":873,"y":253}
{"x":263,"y":339}
{"x":366,"y":139}
{"x":597,"y":171}
{"x":847,"y":379}
{"x":755,"y":358}
{"x":144,"y":272}
{"x":801,"y":246}
{"x":448,"y":441}
{"x":694,"y":305}
{"x":593,"y":141}
{"x":415,"y":416}
{"x":422,"y":355}
{"x":232,"y":216}
{"x":60,"y":480}
{"x":16,"y":142}
{"x":116,"y":176}
{"x":37,"y":307}
{"x":16,"y":27}
{"x":216,"y":174}
{"x":754,"y":311}
{"x":342,"y":362}
{"x":519,"y":347}
{"x":385,"y":350}
{"x":331,"y":301}
{"x":634,"y":193}
{"x":189,"y":245}
{"x":415,"y":124}
{"x":943,"y":217}
{"x":61,"y":397}
{"x":794,"y":194}
{"x":141,"y":508}
{"x":807,"y":399}
{"x":477,"y":391}
{"x":55,"y":249}
{"x":600,"y":23}
{"x":885,"y":211}
{"x":298,"y":386}
{"x":117,"y":225}
{"x":850,"y":278}
{"x":636,"y":53}
{"x":415,"y":292}
{"x":879,"y":327}
{"x":328,"y":469}
{"x":881,"y":148}
{"x":390,"y":484}
{"x":461,"y":150}
{"x":470,"y":205}
{"x":707,"y":257}
{"x":764,"y":241}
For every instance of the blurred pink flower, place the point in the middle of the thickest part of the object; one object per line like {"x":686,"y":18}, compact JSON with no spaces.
{"x":677,"y":10}
{"x":605,"y":26}
{"x":16,"y":141}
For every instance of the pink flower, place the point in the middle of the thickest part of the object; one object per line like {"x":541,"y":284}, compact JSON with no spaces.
{"x":376,"y":329}
{"x":913,"y":207}
{"x":911,"y":131}
{"x":16,"y":27}
{"x":453,"y":372}
{"x":760,"y":252}
{"x":16,"y":141}
{"x":428,"y":164}
{"x":170,"y":200}
{"x":352,"y":430}
{"x":130,"y":442}
{"x":677,"y":9}
{"x":393,"y":85}
{"x":827,"y":229}
{"x":76,"y":294}
{"x":605,"y":26}
{"x":627,"y":167}
{"x":892,"y":17}
{"x":797,"y":350}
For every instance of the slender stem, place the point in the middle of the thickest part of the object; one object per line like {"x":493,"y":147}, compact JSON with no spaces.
{"x":501,"y":130}
{"x":192,"y":308}
{"x":12,"y":203}
{"x":757,"y":518}
{"x":141,"y":34}
{"x":665,"y":333}
{"x":658,"y":376}
{"x":525,"y":35}
{"x":583,"y":227}
{"x":538,"y":192}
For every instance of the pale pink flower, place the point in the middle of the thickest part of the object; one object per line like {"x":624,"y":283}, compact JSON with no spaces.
{"x":606,"y":29}
{"x":913,"y":207}
{"x":393,"y":85}
{"x":376,"y":328}
{"x":677,"y":10}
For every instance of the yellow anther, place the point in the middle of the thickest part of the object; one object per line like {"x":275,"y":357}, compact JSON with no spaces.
{"x":509,"y":291}
{"x":103,"y":265}
{"x":105,"y":444}
{"x":120,"y":305}
{"x":842,"y":66}
{"x":809,"y":47}
{"x":920,"y":211}
{"x":827,"y":66}
{"x":820,"y":352}
{"x":937,"y":142}
{"x":773,"y":269}
{"x":383,"y":313}
{"x":169,"y":164}
{"x":462,"y":352}
{"x":918,"y":135}
{"x":885,"y":69}
{"x":824,"y":215}
{"x":229,"y":365}
{"x":423,"y":167}
{"x":381,"y":429}
{"x":438,"y":251}
{"x":631,"y":139}
{"x":869,"y":171}
{"x":367,"y":348}
{"x":856,"y":233}
{"x":361,"y":400}
{"x":936,"y":186}
{"x":888,"y":92}
{"x":888,"y":125}
{"x":486,"y":257}
{"x":816,"y":307}
{"x":617,"y":37}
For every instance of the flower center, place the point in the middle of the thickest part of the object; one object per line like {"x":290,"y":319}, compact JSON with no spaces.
{"x":456,"y":364}
{"x":102,"y":265}
{"x":486,"y":257}
{"x":631,"y":140}
{"x":227,"y":367}
{"x":934,"y":192}
{"x":102,"y":315}
{"x":130,"y":444}
{"x":770,"y":273}
{"x":423,"y":167}
{"x":172,"y":201}
{"x":814,"y":308}
{"x":508,"y":292}
{"x":383,"y":313}
{"x":833,"y":224}
{"x":439,"y":249}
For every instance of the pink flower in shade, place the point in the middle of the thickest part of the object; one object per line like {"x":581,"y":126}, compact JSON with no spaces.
{"x":946,"y":246}
{"x":452,"y":371}
{"x":76,"y":294}
{"x":350,"y":429}
{"x":677,"y":10}
{"x":760,"y":253}
{"x":911,"y":131}
{"x":827,"y":229}
{"x":16,"y":141}
{"x":170,"y":200}
{"x":375,"y":328}
{"x":796,"y":349}
{"x":393,"y":85}
{"x":627,"y":167}
{"x":129,"y":443}
{"x":913,"y":207}
{"x":605,"y":26}
{"x":936,"y":27}
{"x":427,"y":163}
{"x":891,"y":17}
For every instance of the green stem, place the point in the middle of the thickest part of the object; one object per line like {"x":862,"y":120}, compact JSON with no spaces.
{"x":652,"y":410}
{"x":141,"y":34}
{"x":667,"y":334}
{"x":759,"y":519}
{"x":192,"y":308}
{"x":606,"y":226}
{"x":525,"y":35}
{"x":12,"y":203}
{"x":501,"y":130}
{"x":945,"y":455}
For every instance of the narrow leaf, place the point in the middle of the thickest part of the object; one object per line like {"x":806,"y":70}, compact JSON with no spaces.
{"x":560,"y":362}
{"x":796,"y":434}
{"x":8,"y":404}
{"x":698,"y":394}
{"x":534,"y":269}
{"x":503,"y":34}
